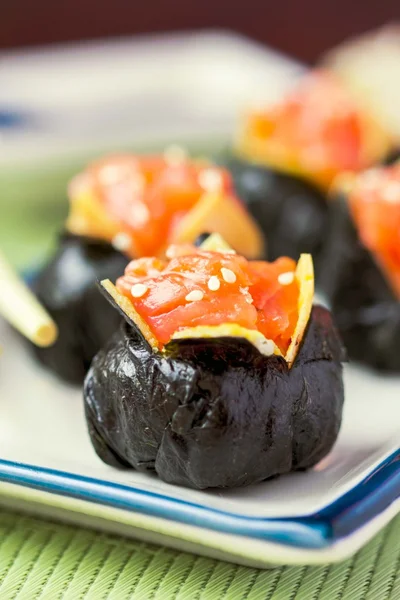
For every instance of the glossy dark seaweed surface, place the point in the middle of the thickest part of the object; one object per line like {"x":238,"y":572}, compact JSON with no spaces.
{"x":366,"y":310}
{"x":393,"y":156}
{"x":215,"y":412}
{"x":67,"y":288}
{"x":290,"y":211}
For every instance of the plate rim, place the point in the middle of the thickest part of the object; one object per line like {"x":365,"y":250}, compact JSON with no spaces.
{"x":240,"y":550}
{"x":341,"y":518}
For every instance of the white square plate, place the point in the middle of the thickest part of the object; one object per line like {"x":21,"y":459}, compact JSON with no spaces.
{"x":322,"y":515}
{"x":46,"y":461}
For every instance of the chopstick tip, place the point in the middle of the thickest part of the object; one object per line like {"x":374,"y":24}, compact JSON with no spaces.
{"x":45,"y":335}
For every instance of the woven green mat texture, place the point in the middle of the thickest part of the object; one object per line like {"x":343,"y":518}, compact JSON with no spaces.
{"x":41,"y":559}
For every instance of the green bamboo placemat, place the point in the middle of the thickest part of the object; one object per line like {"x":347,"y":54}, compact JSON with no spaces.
{"x":41,"y":559}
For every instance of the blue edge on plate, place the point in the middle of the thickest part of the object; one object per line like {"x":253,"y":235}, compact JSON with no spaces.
{"x":343,"y":517}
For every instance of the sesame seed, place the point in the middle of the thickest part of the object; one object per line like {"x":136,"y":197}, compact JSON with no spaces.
{"x":246,"y":294}
{"x":210,"y":180}
{"x":213,"y":283}
{"x":370,"y":178}
{"x":175,"y":155}
{"x":194,"y":296}
{"x":286,"y":278}
{"x":111,"y":174}
{"x":140,"y":214}
{"x":138,"y":290}
{"x":391,"y":192}
{"x":121,"y":241}
{"x":266,"y":347}
{"x":228,"y":275}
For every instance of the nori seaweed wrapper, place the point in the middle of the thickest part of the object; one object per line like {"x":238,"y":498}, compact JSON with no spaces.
{"x":67,"y":288}
{"x":215,"y":412}
{"x":365,"y":308}
{"x":292,"y":213}
{"x":392,"y":157}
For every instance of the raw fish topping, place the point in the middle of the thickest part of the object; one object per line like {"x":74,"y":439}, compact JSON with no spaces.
{"x":374,"y":200}
{"x":209,"y":288}
{"x":317,"y":131}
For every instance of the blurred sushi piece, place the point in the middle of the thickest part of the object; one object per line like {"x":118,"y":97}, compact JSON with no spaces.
{"x":369,"y":66}
{"x":361,"y":265}
{"x":223,"y":373}
{"x":286,"y":156}
{"x":124,"y":207}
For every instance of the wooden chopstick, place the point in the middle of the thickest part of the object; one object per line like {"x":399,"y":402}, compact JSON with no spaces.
{"x":21,"y":308}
